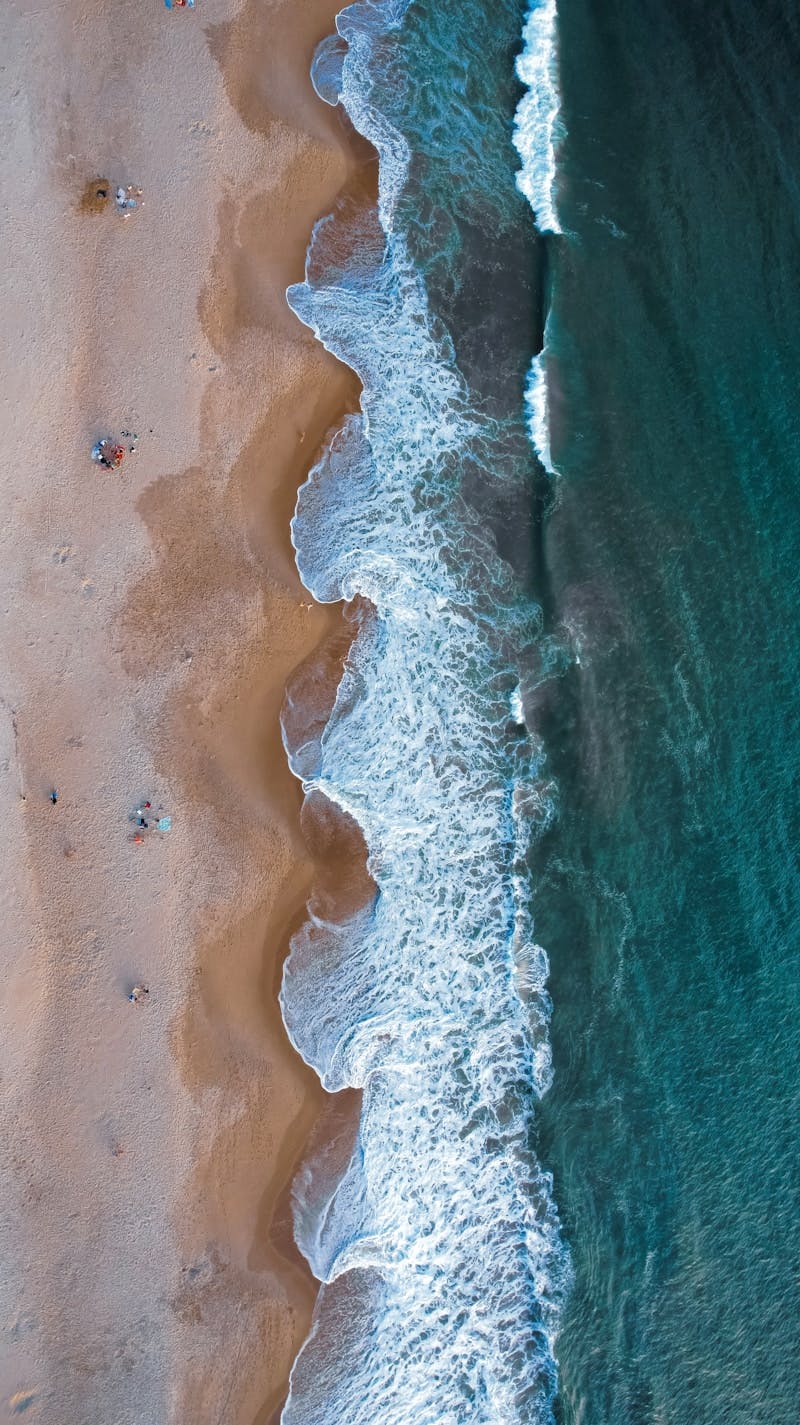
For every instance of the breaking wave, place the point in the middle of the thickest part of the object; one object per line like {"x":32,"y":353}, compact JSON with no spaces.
{"x":537,"y":407}
{"x":437,"y":1241}
{"x":537,"y":130}
{"x":538,"y":125}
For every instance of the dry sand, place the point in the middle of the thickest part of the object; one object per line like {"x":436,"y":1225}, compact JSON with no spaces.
{"x":150,"y":619}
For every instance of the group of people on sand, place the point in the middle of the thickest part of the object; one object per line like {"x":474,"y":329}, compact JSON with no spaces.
{"x":110,"y":453}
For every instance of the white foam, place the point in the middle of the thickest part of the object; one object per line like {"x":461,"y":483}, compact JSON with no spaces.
{"x":439,"y":1242}
{"x":538,"y":409}
{"x":326,"y":70}
{"x":357,"y":26}
{"x":538,"y":126}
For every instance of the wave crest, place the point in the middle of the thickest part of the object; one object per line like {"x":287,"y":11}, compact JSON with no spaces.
{"x":538,"y":126}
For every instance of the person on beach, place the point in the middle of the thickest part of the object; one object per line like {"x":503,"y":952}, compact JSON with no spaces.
{"x":145,"y":818}
{"x":108,"y":454}
{"x":141,"y":814}
{"x":138,"y":993}
{"x":127,"y":200}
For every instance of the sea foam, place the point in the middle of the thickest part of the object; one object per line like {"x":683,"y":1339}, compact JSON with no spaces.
{"x":537,"y":407}
{"x":438,"y":1241}
{"x":538,"y":129}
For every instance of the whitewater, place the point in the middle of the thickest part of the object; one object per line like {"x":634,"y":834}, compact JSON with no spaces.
{"x":538,"y":130}
{"x":438,"y":1242}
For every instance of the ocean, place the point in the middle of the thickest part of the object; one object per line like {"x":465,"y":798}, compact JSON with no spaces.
{"x":564,"y":522}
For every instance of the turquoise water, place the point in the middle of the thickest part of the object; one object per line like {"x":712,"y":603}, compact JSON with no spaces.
{"x":667,"y":891}
{"x":569,"y":718}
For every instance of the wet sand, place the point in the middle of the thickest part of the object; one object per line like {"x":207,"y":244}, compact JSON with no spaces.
{"x":151,"y":618}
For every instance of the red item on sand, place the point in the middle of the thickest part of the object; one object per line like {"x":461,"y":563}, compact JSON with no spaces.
{"x":108,"y":453}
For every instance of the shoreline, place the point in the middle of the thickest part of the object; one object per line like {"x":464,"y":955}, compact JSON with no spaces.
{"x":154,"y":617}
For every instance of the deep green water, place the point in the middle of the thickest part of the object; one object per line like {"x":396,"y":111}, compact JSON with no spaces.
{"x":667,"y":893}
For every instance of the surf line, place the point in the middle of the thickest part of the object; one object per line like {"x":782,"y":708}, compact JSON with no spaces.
{"x":538,"y":130}
{"x":435,"y":1236}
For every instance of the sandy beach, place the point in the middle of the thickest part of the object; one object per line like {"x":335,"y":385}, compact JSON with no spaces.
{"x":151,"y":617}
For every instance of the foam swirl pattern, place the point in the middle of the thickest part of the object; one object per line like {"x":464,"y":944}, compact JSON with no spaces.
{"x":438,"y":1243}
